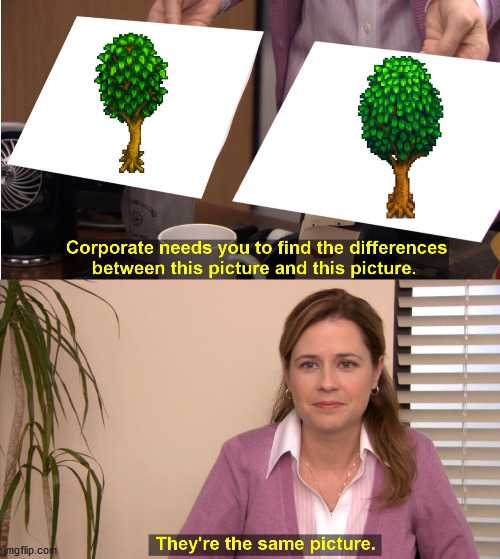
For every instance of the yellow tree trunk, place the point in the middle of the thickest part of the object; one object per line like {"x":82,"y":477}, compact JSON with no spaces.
{"x":401,"y":202}
{"x":131,"y":157}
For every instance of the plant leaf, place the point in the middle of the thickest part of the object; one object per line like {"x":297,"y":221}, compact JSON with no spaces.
{"x":55,"y":503}
{"x":9,"y":495}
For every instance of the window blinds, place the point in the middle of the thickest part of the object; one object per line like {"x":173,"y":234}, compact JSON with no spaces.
{"x":448,"y":380}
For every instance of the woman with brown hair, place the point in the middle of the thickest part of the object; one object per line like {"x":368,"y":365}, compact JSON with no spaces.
{"x":335,"y":459}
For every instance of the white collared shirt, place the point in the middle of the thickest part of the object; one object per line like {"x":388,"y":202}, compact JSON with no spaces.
{"x":313,"y":515}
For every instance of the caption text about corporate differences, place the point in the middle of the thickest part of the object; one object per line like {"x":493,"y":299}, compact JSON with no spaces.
{"x":227,"y":260}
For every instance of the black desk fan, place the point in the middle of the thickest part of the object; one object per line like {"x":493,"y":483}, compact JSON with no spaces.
{"x":33,"y":224}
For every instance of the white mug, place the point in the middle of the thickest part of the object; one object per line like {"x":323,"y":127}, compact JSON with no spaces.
{"x":145,"y":212}
{"x":205,"y":232}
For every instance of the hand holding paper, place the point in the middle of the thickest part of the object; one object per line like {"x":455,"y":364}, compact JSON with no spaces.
{"x":186,"y":12}
{"x":456,"y":28}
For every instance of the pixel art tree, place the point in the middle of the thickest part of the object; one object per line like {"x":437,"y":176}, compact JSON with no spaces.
{"x":400,"y":112}
{"x":130,"y":83}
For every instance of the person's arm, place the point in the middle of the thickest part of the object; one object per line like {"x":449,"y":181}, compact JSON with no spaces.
{"x":221,"y":505}
{"x":188,"y":12}
{"x":440,"y":526}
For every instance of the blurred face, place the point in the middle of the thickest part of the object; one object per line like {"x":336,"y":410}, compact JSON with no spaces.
{"x":331,"y":375}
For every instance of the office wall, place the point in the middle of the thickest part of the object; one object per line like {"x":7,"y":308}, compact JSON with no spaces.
{"x":195,"y":364}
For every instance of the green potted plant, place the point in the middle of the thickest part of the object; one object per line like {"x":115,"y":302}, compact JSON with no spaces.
{"x":39,"y":326}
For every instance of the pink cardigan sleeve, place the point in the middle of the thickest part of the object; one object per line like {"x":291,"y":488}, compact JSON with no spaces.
{"x":221,"y":505}
{"x":440,"y":526}
{"x":494,"y":11}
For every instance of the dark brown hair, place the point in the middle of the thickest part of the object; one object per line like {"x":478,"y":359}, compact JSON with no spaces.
{"x":388,"y":435}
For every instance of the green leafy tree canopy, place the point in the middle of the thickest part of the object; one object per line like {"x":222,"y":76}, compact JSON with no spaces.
{"x":400,"y":111}
{"x":130,"y":78}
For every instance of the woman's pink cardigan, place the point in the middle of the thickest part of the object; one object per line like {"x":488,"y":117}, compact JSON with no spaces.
{"x":238,"y":499}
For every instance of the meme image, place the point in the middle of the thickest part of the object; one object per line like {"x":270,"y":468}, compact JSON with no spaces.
{"x":250,"y":279}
